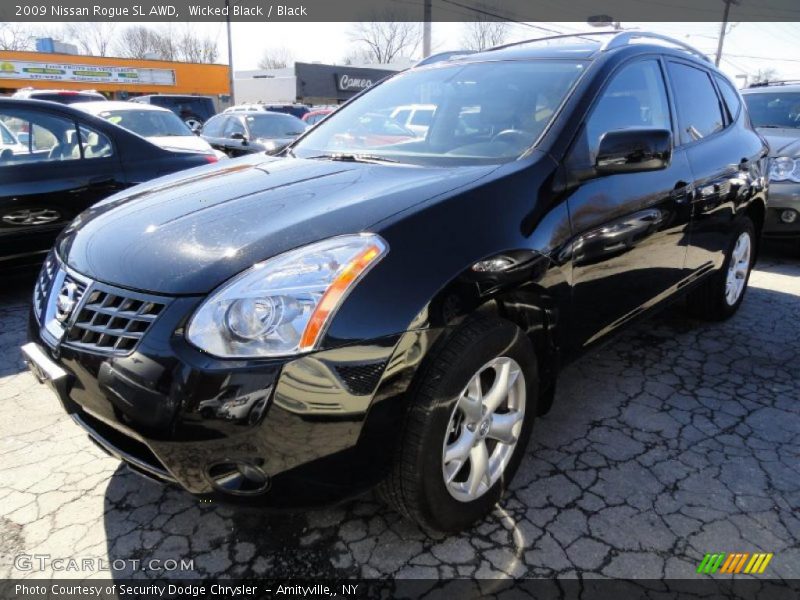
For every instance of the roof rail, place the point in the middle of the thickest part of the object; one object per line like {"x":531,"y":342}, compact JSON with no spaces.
{"x":774,"y":82}
{"x":617,"y":40}
{"x":551,"y":37}
{"x":441,"y":57}
{"x":623,"y":38}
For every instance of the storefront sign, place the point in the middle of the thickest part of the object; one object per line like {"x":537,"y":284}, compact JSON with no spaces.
{"x":16,"y":69}
{"x":352,"y":83}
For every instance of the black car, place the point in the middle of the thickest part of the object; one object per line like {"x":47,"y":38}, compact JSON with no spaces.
{"x":288,"y":330}
{"x":237,"y":133}
{"x":194,"y":110}
{"x":56,"y":161}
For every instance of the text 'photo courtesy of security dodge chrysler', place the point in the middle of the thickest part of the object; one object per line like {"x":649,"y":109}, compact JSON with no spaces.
{"x":391,"y":306}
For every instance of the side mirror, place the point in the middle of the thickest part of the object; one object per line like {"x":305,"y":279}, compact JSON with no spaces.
{"x":634,"y":150}
{"x":238,"y":135}
{"x":197,"y":129}
{"x":24,"y":138}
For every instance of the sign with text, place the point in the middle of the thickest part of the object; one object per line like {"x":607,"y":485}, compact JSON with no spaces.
{"x":17,"y":69}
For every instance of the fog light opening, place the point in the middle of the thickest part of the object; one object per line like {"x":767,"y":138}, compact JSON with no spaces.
{"x":238,"y":477}
{"x":788,"y":216}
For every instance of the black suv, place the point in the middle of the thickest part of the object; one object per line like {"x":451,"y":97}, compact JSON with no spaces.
{"x":194,"y":110}
{"x":394,"y":310}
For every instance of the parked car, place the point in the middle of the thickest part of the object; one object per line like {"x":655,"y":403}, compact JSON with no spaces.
{"x":64,"y":161}
{"x":60,"y":96}
{"x":193,"y":110}
{"x":159,"y":125}
{"x":374,"y":129}
{"x":398,"y":317}
{"x":236,"y":134}
{"x":775,"y":112}
{"x":9,"y":144}
{"x":415,"y":117}
{"x":316,"y":115}
{"x":296,"y":110}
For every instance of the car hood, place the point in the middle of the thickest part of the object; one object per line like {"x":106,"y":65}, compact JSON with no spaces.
{"x":782,"y":142}
{"x":189,"y":232}
{"x":191,"y":143}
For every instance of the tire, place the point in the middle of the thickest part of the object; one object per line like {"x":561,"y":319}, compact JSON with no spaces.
{"x":416,"y":486}
{"x":710,"y":300}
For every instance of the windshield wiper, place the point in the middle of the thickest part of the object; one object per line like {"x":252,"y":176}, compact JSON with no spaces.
{"x":345,"y":157}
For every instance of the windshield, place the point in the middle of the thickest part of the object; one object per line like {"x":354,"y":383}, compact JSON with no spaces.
{"x":148,"y":123}
{"x":457,"y":114}
{"x":778,"y":109}
{"x":276,"y":125}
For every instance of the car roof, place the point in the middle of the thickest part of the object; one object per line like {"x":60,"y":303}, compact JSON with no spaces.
{"x":29,"y":91}
{"x":772,"y":88}
{"x":95,"y":108}
{"x":581,"y":46}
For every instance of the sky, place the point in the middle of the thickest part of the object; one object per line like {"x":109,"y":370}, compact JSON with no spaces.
{"x":748,"y":46}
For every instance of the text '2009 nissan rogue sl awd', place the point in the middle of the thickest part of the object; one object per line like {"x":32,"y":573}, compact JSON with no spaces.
{"x":391,"y":308}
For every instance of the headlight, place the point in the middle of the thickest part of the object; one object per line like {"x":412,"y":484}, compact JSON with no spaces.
{"x":282,"y":306}
{"x":784,"y":168}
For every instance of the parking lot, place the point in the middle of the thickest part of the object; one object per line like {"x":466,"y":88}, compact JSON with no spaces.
{"x":677,"y":439}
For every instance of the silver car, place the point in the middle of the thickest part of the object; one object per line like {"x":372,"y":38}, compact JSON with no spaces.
{"x":775,"y":112}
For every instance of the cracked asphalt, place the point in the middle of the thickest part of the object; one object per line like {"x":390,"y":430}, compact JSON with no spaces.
{"x":676,"y":439}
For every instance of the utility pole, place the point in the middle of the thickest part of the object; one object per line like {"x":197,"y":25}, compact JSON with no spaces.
{"x":722,"y":28}
{"x":426,"y":28}
{"x":230,"y":51}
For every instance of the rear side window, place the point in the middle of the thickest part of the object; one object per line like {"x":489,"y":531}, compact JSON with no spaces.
{"x":699,"y":111}
{"x":635,"y":98}
{"x":93,"y":143}
{"x":730,"y":96}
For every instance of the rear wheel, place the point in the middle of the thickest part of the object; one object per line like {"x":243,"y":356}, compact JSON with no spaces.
{"x":720,"y":296}
{"x":467,"y":428}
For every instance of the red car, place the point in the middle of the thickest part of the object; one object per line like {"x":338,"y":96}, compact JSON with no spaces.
{"x":315,"y":116}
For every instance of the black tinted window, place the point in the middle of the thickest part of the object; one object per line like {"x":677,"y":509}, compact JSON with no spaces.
{"x":699,"y":113}
{"x":636,"y":97}
{"x":730,"y":96}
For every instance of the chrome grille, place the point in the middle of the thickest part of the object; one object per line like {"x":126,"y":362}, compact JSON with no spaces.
{"x":43,"y":283}
{"x":112,"y":321}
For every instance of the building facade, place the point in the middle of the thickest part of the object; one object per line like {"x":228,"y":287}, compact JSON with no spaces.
{"x":308,"y":83}
{"x":117,"y":78}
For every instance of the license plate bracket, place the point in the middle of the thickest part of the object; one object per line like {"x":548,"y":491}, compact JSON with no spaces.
{"x":48,"y":372}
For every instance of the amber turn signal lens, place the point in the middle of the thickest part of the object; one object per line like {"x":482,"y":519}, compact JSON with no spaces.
{"x":334,"y":295}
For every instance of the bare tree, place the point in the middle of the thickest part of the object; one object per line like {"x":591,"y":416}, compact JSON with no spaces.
{"x":358,"y":56}
{"x":92,"y":38}
{"x":167,"y":43}
{"x":275,"y":58}
{"x":385,"y":41}
{"x":195,"y":48}
{"x":137,"y":41}
{"x":765,"y":75}
{"x":482,"y":34}
{"x":15,"y":36}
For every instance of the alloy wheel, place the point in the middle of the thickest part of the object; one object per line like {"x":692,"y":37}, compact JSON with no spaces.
{"x":738,"y":269}
{"x":483,"y":430}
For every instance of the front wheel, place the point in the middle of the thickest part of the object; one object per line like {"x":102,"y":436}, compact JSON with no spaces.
{"x":720,"y":296}
{"x":465,"y":434}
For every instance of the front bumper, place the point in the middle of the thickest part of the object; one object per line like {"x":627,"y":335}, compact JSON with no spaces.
{"x":782,"y":196}
{"x":297,"y":431}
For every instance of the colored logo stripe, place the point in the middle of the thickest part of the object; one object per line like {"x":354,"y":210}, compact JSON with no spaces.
{"x":734,"y":563}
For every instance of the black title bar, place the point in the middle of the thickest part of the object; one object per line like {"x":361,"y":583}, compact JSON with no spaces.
{"x":397,"y":10}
